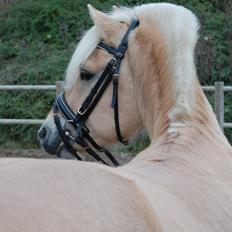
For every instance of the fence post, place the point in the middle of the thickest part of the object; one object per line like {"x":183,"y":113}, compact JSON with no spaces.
{"x":219,"y":103}
{"x":59,"y":87}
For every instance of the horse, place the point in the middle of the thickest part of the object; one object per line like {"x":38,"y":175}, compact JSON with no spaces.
{"x":180,"y":182}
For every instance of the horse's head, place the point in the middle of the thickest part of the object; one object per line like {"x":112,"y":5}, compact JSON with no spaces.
{"x":156,"y":84}
{"x":86,"y":68}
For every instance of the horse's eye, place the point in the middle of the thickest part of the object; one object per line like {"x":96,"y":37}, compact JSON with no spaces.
{"x":85,"y":75}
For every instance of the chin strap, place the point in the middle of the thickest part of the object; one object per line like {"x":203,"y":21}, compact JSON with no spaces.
{"x":114,"y":105}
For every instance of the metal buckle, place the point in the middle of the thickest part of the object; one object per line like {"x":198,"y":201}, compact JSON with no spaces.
{"x":66,"y":132}
{"x":115,"y":76}
{"x":81,"y":113}
{"x":115,"y":61}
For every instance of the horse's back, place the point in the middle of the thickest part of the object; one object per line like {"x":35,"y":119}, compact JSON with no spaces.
{"x":54,"y":195}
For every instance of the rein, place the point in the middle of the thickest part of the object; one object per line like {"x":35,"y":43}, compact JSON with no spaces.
{"x":77,"y":121}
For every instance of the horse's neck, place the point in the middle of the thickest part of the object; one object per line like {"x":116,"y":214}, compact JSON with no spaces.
{"x":197,"y":133}
{"x":189,"y":144}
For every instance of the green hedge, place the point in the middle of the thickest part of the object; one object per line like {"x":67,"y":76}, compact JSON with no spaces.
{"x":37,"y":38}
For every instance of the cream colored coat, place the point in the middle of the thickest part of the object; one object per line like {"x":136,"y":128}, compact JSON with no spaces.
{"x":165,"y":188}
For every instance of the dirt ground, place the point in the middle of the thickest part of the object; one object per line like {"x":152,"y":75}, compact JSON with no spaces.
{"x":40,"y":154}
{"x":31,"y":153}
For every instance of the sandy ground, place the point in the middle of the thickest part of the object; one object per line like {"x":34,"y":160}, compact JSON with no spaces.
{"x":40,"y":154}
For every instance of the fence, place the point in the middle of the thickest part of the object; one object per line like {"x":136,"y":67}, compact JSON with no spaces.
{"x":218,"y":88}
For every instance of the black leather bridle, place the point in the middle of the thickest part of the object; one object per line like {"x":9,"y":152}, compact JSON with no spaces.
{"x":77,"y":121}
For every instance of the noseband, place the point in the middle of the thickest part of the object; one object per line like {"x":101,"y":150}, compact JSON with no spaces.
{"x":77,"y":121}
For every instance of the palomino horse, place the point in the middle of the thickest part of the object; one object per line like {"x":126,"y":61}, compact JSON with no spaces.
{"x":181,"y":182}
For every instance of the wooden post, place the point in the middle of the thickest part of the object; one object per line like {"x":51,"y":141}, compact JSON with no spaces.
{"x":219,"y":103}
{"x":59,"y":87}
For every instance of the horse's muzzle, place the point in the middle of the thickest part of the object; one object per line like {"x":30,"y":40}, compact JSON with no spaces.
{"x":48,"y":140}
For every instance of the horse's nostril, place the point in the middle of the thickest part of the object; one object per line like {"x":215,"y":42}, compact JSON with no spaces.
{"x":42,"y":133}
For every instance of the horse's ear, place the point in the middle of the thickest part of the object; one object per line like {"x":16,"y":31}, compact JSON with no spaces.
{"x":103,"y":22}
